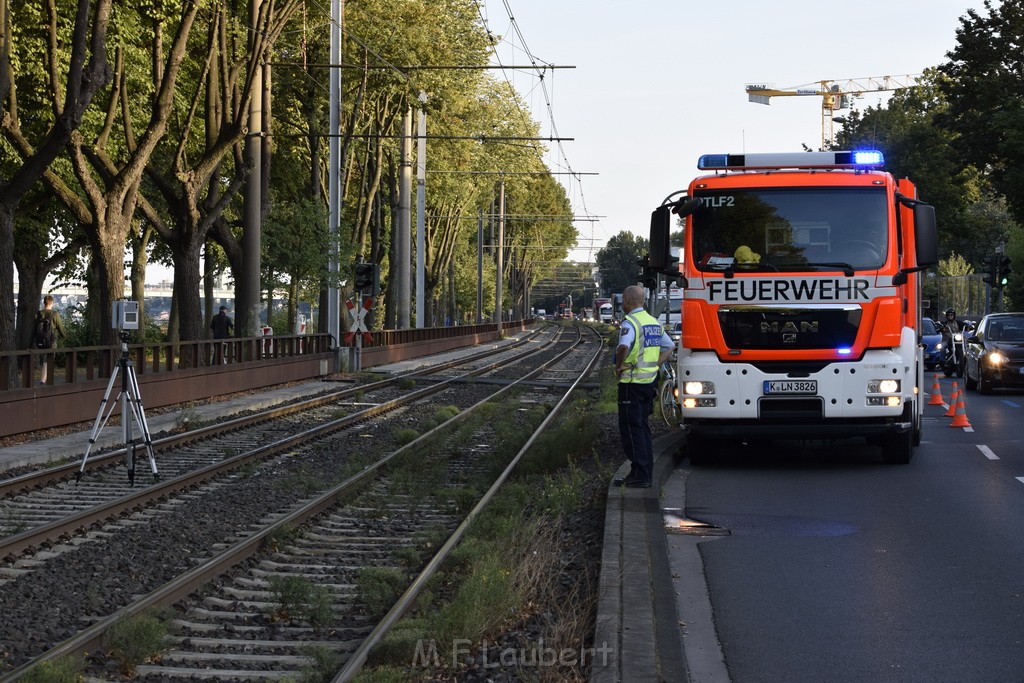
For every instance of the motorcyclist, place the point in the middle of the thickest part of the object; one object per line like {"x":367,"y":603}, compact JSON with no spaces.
{"x":950,"y":327}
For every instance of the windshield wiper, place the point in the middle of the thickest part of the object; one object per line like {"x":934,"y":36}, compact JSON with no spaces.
{"x":845,"y":267}
{"x":731,"y":269}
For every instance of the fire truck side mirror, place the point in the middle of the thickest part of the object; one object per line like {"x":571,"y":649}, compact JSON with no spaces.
{"x":662,"y":260}
{"x":661,"y":224}
{"x":926,"y":235}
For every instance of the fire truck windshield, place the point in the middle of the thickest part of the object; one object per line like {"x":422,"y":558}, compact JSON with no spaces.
{"x":783,"y":229}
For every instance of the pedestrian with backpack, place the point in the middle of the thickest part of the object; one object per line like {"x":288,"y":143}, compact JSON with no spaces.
{"x":48,"y":327}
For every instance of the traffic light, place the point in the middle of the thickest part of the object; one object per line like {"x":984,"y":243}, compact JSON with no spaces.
{"x":367,"y":278}
{"x":1004,"y":272}
{"x":990,"y":278}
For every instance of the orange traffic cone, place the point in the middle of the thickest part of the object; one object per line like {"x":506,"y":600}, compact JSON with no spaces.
{"x":936,"y":399}
{"x":960,"y":417}
{"x":952,"y":401}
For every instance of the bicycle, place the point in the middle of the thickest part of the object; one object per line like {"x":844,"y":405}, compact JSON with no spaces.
{"x":671,"y":411}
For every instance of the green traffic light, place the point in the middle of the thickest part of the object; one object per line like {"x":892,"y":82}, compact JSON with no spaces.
{"x":1004,"y":271}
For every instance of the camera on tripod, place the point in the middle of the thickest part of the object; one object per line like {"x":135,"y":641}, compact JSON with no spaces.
{"x":124,"y":316}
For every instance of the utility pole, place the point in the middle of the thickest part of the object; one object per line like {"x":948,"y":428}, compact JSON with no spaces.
{"x":480,"y":267}
{"x":333,"y":312}
{"x":421,"y":214}
{"x":499,"y":257}
{"x":404,"y":236}
{"x":248,"y":310}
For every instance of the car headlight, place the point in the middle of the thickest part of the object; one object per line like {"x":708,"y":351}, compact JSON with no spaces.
{"x":995,"y":358}
{"x":938,"y":347}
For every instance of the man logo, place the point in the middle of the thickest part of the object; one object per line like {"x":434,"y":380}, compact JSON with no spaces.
{"x":789,"y":328}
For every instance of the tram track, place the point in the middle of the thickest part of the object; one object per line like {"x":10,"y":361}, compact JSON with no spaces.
{"x":253,"y":539}
{"x":41,"y":507}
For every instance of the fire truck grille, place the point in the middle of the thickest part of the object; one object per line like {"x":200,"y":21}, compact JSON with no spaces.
{"x":789,"y":328}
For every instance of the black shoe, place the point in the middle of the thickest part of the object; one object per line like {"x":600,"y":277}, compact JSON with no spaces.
{"x":636,"y":484}
{"x":619,"y":481}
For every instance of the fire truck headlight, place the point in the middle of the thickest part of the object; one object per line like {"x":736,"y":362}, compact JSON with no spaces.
{"x":891,"y":401}
{"x":698,"y":388}
{"x":884,"y":386}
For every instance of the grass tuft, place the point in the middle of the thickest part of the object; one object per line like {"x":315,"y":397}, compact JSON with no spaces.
{"x":406,"y":435}
{"x":380,"y":588}
{"x":63,"y":670}
{"x":299,"y":598}
{"x":137,"y":639}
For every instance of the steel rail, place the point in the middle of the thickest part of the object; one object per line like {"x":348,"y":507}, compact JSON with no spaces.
{"x":37,"y":537}
{"x":57,"y":473}
{"x":92,"y":638}
{"x":358,"y":658}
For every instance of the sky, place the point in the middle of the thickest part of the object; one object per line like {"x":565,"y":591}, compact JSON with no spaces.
{"x":657,"y":83}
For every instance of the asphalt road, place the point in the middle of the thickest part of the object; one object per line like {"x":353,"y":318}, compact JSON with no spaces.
{"x":841,"y":568}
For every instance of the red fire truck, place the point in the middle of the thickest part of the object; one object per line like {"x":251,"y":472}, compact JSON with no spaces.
{"x":801,"y":301}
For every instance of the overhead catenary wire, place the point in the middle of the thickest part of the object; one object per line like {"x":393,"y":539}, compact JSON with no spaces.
{"x":540,"y":68}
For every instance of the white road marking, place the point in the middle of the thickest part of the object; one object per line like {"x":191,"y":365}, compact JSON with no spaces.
{"x":1020,"y":479}
{"x":1010,"y":403}
{"x":988,"y":452}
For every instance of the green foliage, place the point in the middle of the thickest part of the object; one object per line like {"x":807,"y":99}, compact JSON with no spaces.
{"x":619,"y":261}
{"x":986,"y":96}
{"x":955,"y":265}
{"x":406,"y":435}
{"x":63,"y":670}
{"x":296,"y":597}
{"x":380,"y":588}
{"x":326,"y":663}
{"x":136,"y":639}
{"x":557,"y":447}
{"x":445,"y":413}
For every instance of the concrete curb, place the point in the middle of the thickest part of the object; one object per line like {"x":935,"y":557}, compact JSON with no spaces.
{"x":637,"y":635}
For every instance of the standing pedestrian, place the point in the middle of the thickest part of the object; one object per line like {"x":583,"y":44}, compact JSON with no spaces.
{"x":222,"y":326}
{"x":48,"y":327}
{"x":643,"y":347}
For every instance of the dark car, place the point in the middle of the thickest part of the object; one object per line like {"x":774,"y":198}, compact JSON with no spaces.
{"x":931,"y":340}
{"x":995,"y":353}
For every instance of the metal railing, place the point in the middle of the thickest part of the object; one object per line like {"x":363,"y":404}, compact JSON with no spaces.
{"x":86,"y":363}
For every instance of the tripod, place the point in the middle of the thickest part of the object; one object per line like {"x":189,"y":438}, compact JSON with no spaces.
{"x":131,"y":408}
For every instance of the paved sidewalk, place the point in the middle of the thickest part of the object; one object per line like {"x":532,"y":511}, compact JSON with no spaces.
{"x":72,"y":445}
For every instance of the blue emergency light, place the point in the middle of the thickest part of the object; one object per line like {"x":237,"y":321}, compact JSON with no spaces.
{"x":864,"y":158}
{"x":868,"y":157}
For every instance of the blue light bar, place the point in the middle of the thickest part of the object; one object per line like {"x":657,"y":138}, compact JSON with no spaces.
{"x":780,"y":160}
{"x":713,"y":161}
{"x":868,"y":157}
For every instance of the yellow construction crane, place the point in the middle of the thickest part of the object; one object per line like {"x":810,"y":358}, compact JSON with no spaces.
{"x":835,"y":95}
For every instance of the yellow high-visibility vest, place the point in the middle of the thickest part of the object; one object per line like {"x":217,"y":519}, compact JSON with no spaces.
{"x":641,"y":363}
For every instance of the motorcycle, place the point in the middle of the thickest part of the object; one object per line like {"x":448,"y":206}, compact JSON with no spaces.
{"x":955,"y":359}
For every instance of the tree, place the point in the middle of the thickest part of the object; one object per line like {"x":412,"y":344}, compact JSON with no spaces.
{"x":619,"y":261}
{"x":985,"y":92}
{"x":914,"y":146}
{"x":81,"y":52}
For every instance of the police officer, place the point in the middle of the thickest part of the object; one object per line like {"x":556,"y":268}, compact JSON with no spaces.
{"x":643,"y":347}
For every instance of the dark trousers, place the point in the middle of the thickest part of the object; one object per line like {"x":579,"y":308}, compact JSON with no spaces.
{"x":636,"y":402}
